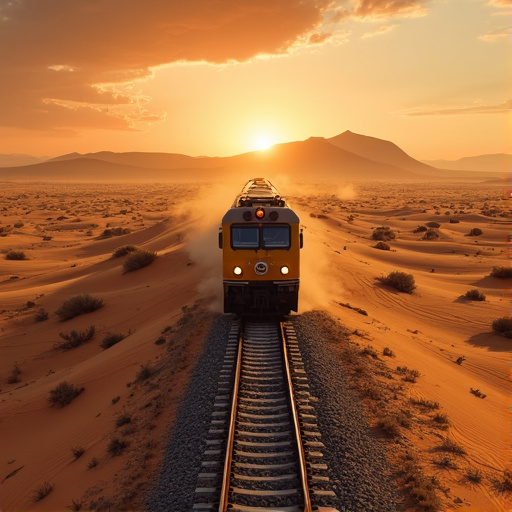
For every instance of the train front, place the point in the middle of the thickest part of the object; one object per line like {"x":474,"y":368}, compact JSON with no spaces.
{"x":261,"y":239}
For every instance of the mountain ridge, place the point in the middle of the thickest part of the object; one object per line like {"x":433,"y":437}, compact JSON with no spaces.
{"x":347,"y":156}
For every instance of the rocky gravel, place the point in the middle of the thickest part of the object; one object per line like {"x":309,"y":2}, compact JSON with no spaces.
{"x":357,"y":464}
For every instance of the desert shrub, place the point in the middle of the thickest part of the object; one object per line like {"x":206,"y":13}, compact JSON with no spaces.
{"x":388,"y":352}
{"x":420,"y":229}
{"x":408,"y":375}
{"x":503,"y":326}
{"x":77,"y":451}
{"x":116,"y":231}
{"x":505,"y":485}
{"x":401,"y":281}
{"x":454,"y":221}
{"x":421,"y":488}
{"x":14,"y":376}
{"x":446,"y":462}
{"x":42,"y":491}
{"x":502,"y":272}
{"x":475,"y":232}
{"x":116,"y":399}
{"x":390,"y":425}
{"x":474,"y":475}
{"x":15,"y":255}
{"x":75,"y":338}
{"x":138,"y":259}
{"x":383,"y":233}
{"x":474,"y":294}
{"x":441,"y":418}
{"x":429,"y":404}
{"x":433,"y":224}
{"x":64,"y":393}
{"x":144,"y":373}
{"x":369,"y":351}
{"x":383,"y":246}
{"x":92,"y":463}
{"x":123,"y":419}
{"x":41,"y":315}
{"x":452,"y":447}
{"x":76,"y":505}
{"x":116,"y":446}
{"x":111,"y":339}
{"x":79,"y":305}
{"x":431,"y":234}
{"x":124,"y":250}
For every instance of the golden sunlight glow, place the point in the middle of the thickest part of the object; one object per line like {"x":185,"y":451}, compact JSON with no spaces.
{"x":262,"y":142}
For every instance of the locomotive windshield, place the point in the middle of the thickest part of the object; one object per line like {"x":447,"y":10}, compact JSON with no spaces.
{"x":245,"y":237}
{"x":276,"y":237}
{"x":260,"y":237}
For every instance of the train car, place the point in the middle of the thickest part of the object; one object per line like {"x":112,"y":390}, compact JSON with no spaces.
{"x":260,"y":240}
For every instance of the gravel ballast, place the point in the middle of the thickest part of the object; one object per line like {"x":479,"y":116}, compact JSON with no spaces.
{"x":357,"y":464}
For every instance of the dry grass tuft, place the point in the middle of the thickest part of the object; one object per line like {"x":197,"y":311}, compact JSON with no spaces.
{"x":501,"y":272}
{"x":401,"y":281}
{"x":475,"y":294}
{"x":503,"y":326}
{"x":139,"y":259}
{"x":75,"y":338}
{"x":64,"y":393}
{"x":79,"y":305}
{"x":42,"y":491}
{"x":15,"y":255}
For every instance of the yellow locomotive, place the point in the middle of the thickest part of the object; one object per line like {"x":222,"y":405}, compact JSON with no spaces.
{"x":260,"y":238}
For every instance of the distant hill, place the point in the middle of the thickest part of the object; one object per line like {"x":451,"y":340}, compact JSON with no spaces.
{"x":380,"y":151}
{"x":146,"y":160}
{"x":347,"y":156}
{"x":499,"y":162}
{"x":16,"y":160}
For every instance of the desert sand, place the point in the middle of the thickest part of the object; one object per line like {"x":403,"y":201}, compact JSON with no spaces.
{"x":68,"y":235}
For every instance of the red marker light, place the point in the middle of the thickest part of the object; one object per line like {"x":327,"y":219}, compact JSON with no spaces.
{"x":260,"y":213}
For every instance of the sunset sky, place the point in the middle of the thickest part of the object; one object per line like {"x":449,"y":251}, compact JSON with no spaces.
{"x":223,"y":77}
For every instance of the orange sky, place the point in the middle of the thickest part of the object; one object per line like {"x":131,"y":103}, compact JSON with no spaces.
{"x":218,"y":78}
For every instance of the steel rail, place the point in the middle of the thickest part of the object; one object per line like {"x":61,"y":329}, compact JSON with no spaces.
{"x":295,"y":415}
{"x":223,"y":502}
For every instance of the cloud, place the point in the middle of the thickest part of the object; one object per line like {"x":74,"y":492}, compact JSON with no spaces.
{"x":496,"y":35}
{"x":384,"y":29}
{"x":391,"y":8}
{"x":500,"y":3}
{"x":75,"y":65}
{"x":501,"y":108}
{"x":70,"y":66}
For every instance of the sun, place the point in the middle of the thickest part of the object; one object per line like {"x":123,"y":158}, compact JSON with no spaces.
{"x":262,"y":142}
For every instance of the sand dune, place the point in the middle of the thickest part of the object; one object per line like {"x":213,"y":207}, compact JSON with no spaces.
{"x":67,"y":233}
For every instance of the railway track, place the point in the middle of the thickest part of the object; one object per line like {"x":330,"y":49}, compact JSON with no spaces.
{"x":264,"y":451}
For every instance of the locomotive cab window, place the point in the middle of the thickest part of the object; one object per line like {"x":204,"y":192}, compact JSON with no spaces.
{"x":245,"y":237}
{"x":276,"y":237}
{"x":264,"y":237}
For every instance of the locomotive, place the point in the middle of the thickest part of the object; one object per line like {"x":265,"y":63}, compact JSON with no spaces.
{"x":260,"y":238}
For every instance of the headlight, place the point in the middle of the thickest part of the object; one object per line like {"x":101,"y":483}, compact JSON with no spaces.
{"x":284,"y":270}
{"x":237,"y":271}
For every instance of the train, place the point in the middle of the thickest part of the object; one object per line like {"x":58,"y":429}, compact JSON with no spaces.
{"x":260,"y":238}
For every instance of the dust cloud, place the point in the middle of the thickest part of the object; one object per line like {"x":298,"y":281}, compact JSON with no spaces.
{"x":317,"y":288}
{"x":205,"y":215}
